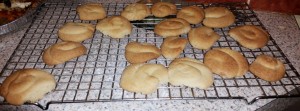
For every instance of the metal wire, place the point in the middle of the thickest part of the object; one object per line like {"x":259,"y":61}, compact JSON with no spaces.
{"x":95,"y":76}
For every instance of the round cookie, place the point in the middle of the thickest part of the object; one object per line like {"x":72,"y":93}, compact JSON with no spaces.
{"x":173,"y":46}
{"x":91,"y":11}
{"x":267,"y":68}
{"x":76,"y":32}
{"x":202,"y":37}
{"x":26,"y":85}
{"x":250,"y":36}
{"x":136,"y":11}
{"x":172,"y":27}
{"x":192,"y":14}
{"x":226,"y":62}
{"x":114,"y":26}
{"x":190,"y":72}
{"x":141,"y":52}
{"x":163,"y":9}
{"x":62,"y":52}
{"x":143,"y":78}
{"x":218,"y":17}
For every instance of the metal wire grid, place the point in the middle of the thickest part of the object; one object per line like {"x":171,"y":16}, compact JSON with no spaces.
{"x":95,"y":76}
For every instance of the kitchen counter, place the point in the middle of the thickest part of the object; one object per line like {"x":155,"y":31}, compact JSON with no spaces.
{"x":282,"y":27}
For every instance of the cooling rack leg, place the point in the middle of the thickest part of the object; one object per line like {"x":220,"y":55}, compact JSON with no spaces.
{"x":252,"y":101}
{"x":42,"y":107}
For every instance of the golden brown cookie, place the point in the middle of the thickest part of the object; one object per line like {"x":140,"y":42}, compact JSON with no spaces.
{"x":143,"y":78}
{"x":250,"y":36}
{"x":172,"y":27}
{"x":190,"y":72}
{"x":91,"y":11}
{"x":26,"y":85}
{"x":202,"y":37}
{"x":192,"y":14}
{"x":136,"y":11}
{"x":268,"y":68}
{"x":163,"y":9}
{"x":218,"y":17}
{"x":173,"y":46}
{"x":76,"y":32}
{"x":115,"y":26}
{"x":141,"y":52}
{"x":63,"y":51}
{"x":226,"y":62}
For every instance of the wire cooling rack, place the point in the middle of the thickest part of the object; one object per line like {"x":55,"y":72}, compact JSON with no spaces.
{"x":95,"y":76}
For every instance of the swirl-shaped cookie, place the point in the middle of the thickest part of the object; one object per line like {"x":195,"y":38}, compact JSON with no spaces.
{"x":250,"y":36}
{"x":190,"y":72}
{"x":62,"y":52}
{"x":218,"y":17}
{"x":173,"y":46}
{"x":26,"y":85}
{"x":202,"y":37}
{"x":163,"y":9}
{"x":141,"y":52}
{"x":76,"y":32}
{"x":143,"y":78}
{"x":91,"y":11}
{"x":226,"y":62}
{"x":115,"y":26}
{"x":172,"y":27}
{"x":136,"y":11}
{"x":268,"y":68}
{"x":192,"y":14}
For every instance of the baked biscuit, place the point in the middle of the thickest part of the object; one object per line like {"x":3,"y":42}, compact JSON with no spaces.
{"x":190,"y":72}
{"x":141,"y":52}
{"x":268,"y":68}
{"x":218,"y":17}
{"x":76,"y":32}
{"x":91,"y":11}
{"x":115,"y":26}
{"x":250,"y":36}
{"x":143,"y":78}
{"x":26,"y":85}
{"x":202,"y":37}
{"x":136,"y":11}
{"x":62,"y":52}
{"x":163,"y":9}
{"x":173,"y":46}
{"x":192,"y":14}
{"x":172,"y":27}
{"x":226,"y":62}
